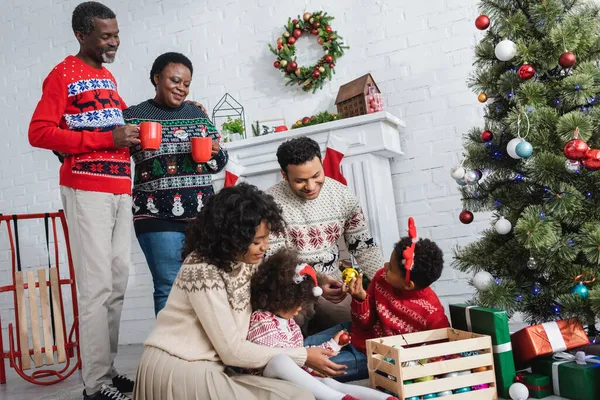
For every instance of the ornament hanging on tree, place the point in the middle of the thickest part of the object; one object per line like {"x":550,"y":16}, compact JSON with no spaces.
{"x":524,"y":149}
{"x":461,"y":182}
{"x":479,"y":173}
{"x":503,"y":226}
{"x":483,"y":280}
{"x":511,"y":148}
{"x":573,"y":166}
{"x":457,"y":172}
{"x":482,"y":22}
{"x":526,"y":71}
{"x":532,"y":264}
{"x":487,"y":136}
{"x":580,"y":289}
{"x":592,"y":160}
{"x":567,"y":59}
{"x":505,"y":50}
{"x":576,"y":149}
{"x":482,"y":97}
{"x":471,"y":177}
{"x":518,"y":391}
{"x":466,"y":217}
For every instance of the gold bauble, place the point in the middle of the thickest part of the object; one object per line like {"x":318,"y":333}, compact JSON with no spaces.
{"x":482,"y":97}
{"x":348,"y":274}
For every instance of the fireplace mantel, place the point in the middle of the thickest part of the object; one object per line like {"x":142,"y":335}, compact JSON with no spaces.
{"x":373,"y":140}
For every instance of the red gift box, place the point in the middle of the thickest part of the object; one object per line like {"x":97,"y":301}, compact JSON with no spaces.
{"x":547,"y":338}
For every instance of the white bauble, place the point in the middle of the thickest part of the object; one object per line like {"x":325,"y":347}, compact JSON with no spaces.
{"x":483,"y":280}
{"x":505,"y":50}
{"x":503,"y":226}
{"x":457,"y":172}
{"x":518,"y":391}
{"x":471,"y":177}
{"x":511,"y":148}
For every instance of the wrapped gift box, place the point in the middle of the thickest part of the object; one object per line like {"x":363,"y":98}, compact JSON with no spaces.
{"x":492,"y":322}
{"x":570,"y":379}
{"x":547,"y":338}
{"x":539,"y":385}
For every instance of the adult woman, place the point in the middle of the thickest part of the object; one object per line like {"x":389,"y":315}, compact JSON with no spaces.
{"x":204,"y":325}
{"x":169,"y":187}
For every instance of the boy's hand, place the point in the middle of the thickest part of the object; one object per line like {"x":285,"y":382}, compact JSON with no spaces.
{"x":355,"y":288}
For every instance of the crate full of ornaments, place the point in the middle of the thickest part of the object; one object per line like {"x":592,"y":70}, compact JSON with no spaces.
{"x":456,"y":364}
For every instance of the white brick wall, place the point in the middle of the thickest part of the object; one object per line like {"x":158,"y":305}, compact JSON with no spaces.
{"x":419,"y":53}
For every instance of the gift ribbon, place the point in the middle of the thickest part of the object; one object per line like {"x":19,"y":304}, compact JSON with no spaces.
{"x":557,"y":342}
{"x":499,"y":348}
{"x":562,"y":357}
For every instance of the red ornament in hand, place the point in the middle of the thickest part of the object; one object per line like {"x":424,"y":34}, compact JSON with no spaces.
{"x":576,"y":149}
{"x":466,"y":217}
{"x":482,"y":22}
{"x":344,"y":339}
{"x":592,"y":159}
{"x":526,"y":72}
{"x":567,"y":59}
{"x":486,"y":136}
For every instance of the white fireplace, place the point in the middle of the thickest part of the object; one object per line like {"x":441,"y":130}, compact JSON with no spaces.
{"x":373,"y":140}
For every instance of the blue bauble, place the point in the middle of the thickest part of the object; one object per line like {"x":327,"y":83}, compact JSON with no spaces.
{"x":430,"y":396}
{"x":462,"y":390}
{"x":524,"y":149}
{"x":581,"y":290}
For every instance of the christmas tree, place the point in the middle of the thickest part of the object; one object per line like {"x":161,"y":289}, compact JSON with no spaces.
{"x":534,"y":163}
{"x":157,"y":169}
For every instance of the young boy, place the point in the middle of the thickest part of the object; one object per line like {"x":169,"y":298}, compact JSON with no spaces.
{"x":391,"y":305}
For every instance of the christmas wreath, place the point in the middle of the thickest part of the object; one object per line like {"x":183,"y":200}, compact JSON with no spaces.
{"x":312,"y":77}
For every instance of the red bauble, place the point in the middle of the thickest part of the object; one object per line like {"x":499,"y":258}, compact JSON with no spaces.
{"x":292,"y":66}
{"x":279,"y":46}
{"x":314,"y":32}
{"x":316,"y":74}
{"x":482,"y":22}
{"x":328,"y":29}
{"x":466,"y":217}
{"x":331,"y":65}
{"x":526,"y":72}
{"x":291,"y":40}
{"x":297,"y":33}
{"x":486,"y":136}
{"x":276,"y":64}
{"x":567,"y":59}
{"x":294,"y":21}
{"x":344,"y":339}
{"x":576,"y":149}
{"x":328,"y":59}
{"x":592,"y":159}
{"x":305,"y":120}
{"x":316,"y":24}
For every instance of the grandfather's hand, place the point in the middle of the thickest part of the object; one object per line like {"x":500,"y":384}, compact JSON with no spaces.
{"x":332,"y":289}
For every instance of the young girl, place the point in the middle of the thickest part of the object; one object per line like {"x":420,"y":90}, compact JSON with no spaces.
{"x":279,"y":289}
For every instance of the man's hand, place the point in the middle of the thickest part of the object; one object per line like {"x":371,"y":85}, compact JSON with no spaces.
{"x":126,"y":136}
{"x":355,"y":288}
{"x":332,"y":289}
{"x":200,"y":106}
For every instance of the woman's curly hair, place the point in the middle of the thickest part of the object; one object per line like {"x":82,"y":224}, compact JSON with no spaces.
{"x":273,"y":287}
{"x":226,"y":225}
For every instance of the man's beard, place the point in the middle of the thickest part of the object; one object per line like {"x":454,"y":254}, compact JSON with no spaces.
{"x":105,"y":58}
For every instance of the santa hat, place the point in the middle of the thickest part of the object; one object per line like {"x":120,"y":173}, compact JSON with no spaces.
{"x":303,"y":271}
{"x":177,"y":197}
{"x":151,"y":198}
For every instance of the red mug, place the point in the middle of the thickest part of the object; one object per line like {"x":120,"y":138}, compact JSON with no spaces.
{"x":150,"y":135}
{"x":201,"y":149}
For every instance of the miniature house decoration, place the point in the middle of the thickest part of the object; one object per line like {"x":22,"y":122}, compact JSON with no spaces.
{"x":359,"y":97}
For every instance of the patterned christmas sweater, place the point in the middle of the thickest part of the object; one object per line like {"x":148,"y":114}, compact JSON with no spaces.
{"x":78,"y":111}
{"x":269,"y":330}
{"x":169,"y":187}
{"x":387,"y":311}
{"x":315,"y":226}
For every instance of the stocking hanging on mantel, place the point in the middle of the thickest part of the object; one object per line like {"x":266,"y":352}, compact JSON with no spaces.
{"x":233,"y":171}
{"x":336,"y":148}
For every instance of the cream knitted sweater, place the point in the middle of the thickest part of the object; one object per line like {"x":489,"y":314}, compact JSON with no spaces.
{"x":315,"y":226}
{"x":207,"y":318}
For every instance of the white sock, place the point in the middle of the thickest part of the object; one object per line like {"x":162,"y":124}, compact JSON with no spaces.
{"x":363,"y":393}
{"x":282,"y":367}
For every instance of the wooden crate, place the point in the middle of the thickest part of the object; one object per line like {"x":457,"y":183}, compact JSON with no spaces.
{"x":388,"y":355}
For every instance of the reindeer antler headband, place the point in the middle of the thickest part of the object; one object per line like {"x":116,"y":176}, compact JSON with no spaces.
{"x":409,"y":253}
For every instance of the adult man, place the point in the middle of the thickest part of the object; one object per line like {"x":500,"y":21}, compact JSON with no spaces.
{"x":80,"y":117}
{"x":318,"y":211}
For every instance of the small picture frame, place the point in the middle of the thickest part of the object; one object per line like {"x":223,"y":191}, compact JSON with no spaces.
{"x":267,"y":127}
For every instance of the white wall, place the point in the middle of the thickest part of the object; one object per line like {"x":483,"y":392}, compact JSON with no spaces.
{"x":419,"y":53}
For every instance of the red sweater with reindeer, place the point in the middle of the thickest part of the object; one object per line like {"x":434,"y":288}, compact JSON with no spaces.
{"x":79,"y":109}
{"x":387,"y":311}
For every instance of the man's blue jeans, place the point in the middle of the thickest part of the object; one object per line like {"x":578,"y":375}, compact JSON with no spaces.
{"x":349,"y":356}
{"x":163,"y":255}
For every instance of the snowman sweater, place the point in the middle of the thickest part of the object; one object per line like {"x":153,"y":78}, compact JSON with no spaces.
{"x":169,"y":187}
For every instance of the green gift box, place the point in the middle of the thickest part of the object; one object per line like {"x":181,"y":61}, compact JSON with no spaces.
{"x":492,"y":322}
{"x":539,"y":385}
{"x":570,"y":379}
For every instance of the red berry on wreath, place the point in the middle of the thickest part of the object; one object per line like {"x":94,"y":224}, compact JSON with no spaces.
{"x":331,"y":65}
{"x":305,"y":120}
{"x":567,"y":59}
{"x":297,"y":33}
{"x":317,"y":24}
{"x":328,"y":58}
{"x":330,"y":40}
{"x":279,"y":46}
{"x":328,"y":29}
{"x":292,"y":66}
{"x":294,"y":21}
{"x":314,"y":32}
{"x":299,"y":82}
{"x":276,"y":64}
{"x":291,"y":40}
{"x":316,"y":74}
{"x":482,"y":22}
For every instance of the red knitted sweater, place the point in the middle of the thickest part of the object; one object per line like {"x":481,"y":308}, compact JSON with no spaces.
{"x":387,"y":311}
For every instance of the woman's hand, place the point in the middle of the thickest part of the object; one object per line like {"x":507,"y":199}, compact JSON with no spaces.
{"x":332,"y":290}
{"x":317,"y":358}
{"x":215,"y":147}
{"x":355,"y":288}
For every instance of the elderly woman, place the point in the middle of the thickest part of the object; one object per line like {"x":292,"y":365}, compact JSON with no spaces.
{"x":203,"y":327}
{"x":169,"y":187}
